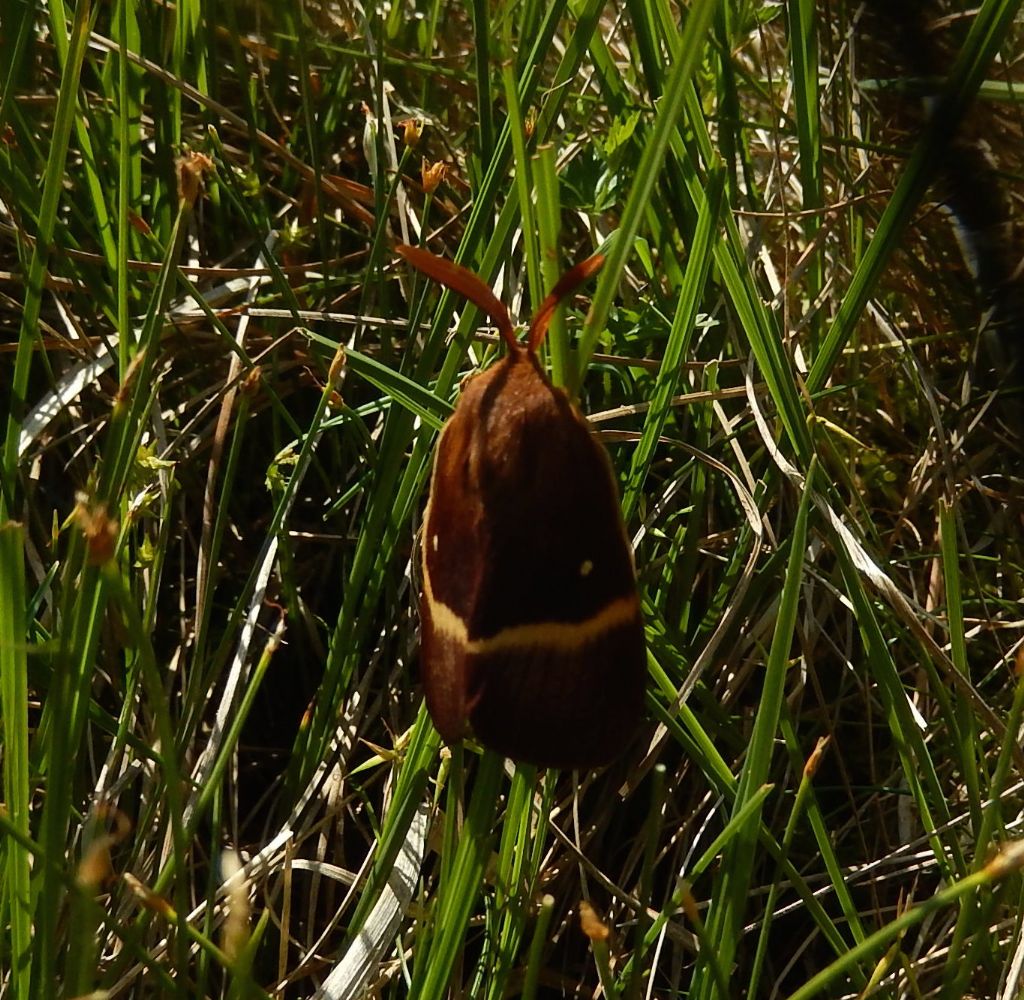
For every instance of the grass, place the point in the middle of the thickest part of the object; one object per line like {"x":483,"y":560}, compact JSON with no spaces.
{"x":223,"y":392}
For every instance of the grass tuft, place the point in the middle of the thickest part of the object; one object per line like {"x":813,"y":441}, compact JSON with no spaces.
{"x":222,"y":393}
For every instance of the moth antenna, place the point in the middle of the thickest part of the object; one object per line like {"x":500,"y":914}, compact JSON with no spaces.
{"x":565,"y":286}
{"x":467,"y":284}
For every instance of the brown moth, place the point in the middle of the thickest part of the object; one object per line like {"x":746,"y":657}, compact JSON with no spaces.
{"x":531,"y":637}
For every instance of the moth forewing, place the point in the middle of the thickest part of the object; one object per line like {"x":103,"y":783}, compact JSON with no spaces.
{"x":531,"y":638}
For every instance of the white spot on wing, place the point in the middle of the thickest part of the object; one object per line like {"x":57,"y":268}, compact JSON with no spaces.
{"x":586,"y":567}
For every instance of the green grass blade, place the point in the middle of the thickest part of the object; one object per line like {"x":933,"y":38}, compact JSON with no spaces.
{"x":15,"y":902}
{"x":691,"y":292}
{"x":53,"y":183}
{"x":988,"y":32}
{"x":689,"y":50}
{"x":457,"y":895}
{"x":730,"y":898}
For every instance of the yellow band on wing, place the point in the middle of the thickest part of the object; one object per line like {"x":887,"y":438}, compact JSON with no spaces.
{"x":563,"y":636}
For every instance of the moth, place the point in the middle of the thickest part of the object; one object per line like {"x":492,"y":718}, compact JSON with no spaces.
{"x":531,"y":634}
